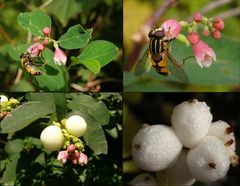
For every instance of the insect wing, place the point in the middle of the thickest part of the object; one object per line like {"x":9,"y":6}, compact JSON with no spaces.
{"x":143,"y":64}
{"x":177,"y":70}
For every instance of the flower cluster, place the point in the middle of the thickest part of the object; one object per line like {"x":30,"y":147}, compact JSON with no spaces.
{"x":203,"y":53}
{"x":193,"y":148}
{"x":73,"y":155}
{"x":65,"y":135}
{"x":38,"y":47}
{"x":7,"y":105}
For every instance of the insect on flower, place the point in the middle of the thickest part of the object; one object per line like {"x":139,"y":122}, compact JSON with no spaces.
{"x":29,"y":64}
{"x":158,"y":52}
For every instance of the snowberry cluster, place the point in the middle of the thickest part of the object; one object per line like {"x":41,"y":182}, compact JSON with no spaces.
{"x":7,"y":105}
{"x":66,"y":135}
{"x":193,"y":148}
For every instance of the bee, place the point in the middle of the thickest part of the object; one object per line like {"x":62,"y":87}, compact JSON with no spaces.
{"x":158,"y":52}
{"x":29,"y":64}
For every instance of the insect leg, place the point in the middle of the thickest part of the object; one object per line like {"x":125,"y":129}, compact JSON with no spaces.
{"x":184,"y":59}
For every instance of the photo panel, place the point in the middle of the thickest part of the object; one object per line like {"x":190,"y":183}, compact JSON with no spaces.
{"x":61,"y":46}
{"x":180,"y":46}
{"x":61,"y":139}
{"x":181,"y":138}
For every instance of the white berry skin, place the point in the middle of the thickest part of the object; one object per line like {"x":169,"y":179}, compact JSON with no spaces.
{"x":209,"y":160}
{"x":191,"y":120}
{"x":52,"y":138}
{"x":144,"y":180}
{"x":224,"y":132}
{"x":178,"y":174}
{"x":155,"y":148}
{"x":76,"y":125}
{"x":3,"y":98}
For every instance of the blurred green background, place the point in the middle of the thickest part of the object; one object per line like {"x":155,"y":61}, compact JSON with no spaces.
{"x":156,"y":108}
{"x":223,"y":75}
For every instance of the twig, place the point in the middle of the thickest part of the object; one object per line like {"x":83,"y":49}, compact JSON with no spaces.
{"x":44,"y":5}
{"x":210,"y":6}
{"x":18,"y":77}
{"x":140,"y":37}
{"x":229,"y":13}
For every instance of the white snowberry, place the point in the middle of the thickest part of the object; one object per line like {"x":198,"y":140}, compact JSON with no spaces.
{"x":191,"y":120}
{"x":224,"y":132}
{"x":3,"y":99}
{"x":155,"y":147}
{"x":209,"y":160}
{"x":76,"y":125}
{"x":52,"y":138}
{"x":144,"y":179}
{"x":178,"y":174}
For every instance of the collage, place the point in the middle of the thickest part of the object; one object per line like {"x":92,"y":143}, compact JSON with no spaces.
{"x":119,"y":93}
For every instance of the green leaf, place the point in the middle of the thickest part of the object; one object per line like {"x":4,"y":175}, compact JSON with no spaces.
{"x":14,"y":146}
{"x":100,"y":50}
{"x":75,"y":37}
{"x":34,"y":22}
{"x":10,"y":173}
{"x":96,"y":109}
{"x":94,"y":65}
{"x":65,"y":10}
{"x":224,"y":73}
{"x":95,"y":138}
{"x":24,"y":115}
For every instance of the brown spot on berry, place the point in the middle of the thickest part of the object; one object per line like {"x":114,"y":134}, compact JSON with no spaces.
{"x":212,"y":165}
{"x":229,"y":130}
{"x":229,"y":142}
{"x":137,"y":146}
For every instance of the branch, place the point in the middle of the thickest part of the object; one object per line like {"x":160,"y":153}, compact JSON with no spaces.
{"x":229,"y":13}
{"x":44,"y":5}
{"x":211,"y":6}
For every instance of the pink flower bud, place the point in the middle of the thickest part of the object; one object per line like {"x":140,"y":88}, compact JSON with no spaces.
{"x":60,"y":57}
{"x":71,"y":148}
{"x":45,"y":41}
{"x":46,"y":31}
{"x":216,"y":34}
{"x":205,"y":32}
{"x":62,"y":156}
{"x":41,"y":47}
{"x":171,"y":28}
{"x":193,"y":38}
{"x":82,"y":159}
{"x":36,"y":39}
{"x":218,"y":23}
{"x":197,"y":17}
{"x":203,"y":54}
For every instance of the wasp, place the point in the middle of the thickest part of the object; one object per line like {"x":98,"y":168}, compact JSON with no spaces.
{"x":29,"y":63}
{"x":158,"y":52}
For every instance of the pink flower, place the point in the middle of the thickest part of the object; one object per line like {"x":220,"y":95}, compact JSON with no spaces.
{"x":193,"y":38}
{"x":205,"y":32}
{"x":218,"y":23}
{"x":172,"y":28}
{"x":46,"y":31}
{"x":63,"y":155}
{"x":82,"y":159}
{"x":216,"y":34}
{"x":71,"y":148}
{"x":60,"y":57}
{"x":203,"y":54}
{"x":34,"y":50}
{"x":197,"y":17}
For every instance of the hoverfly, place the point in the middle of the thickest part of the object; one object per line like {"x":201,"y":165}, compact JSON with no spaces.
{"x":160,"y":57}
{"x":29,"y":63}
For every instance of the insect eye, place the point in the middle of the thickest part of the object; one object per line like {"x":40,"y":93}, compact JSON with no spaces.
{"x":159,"y":34}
